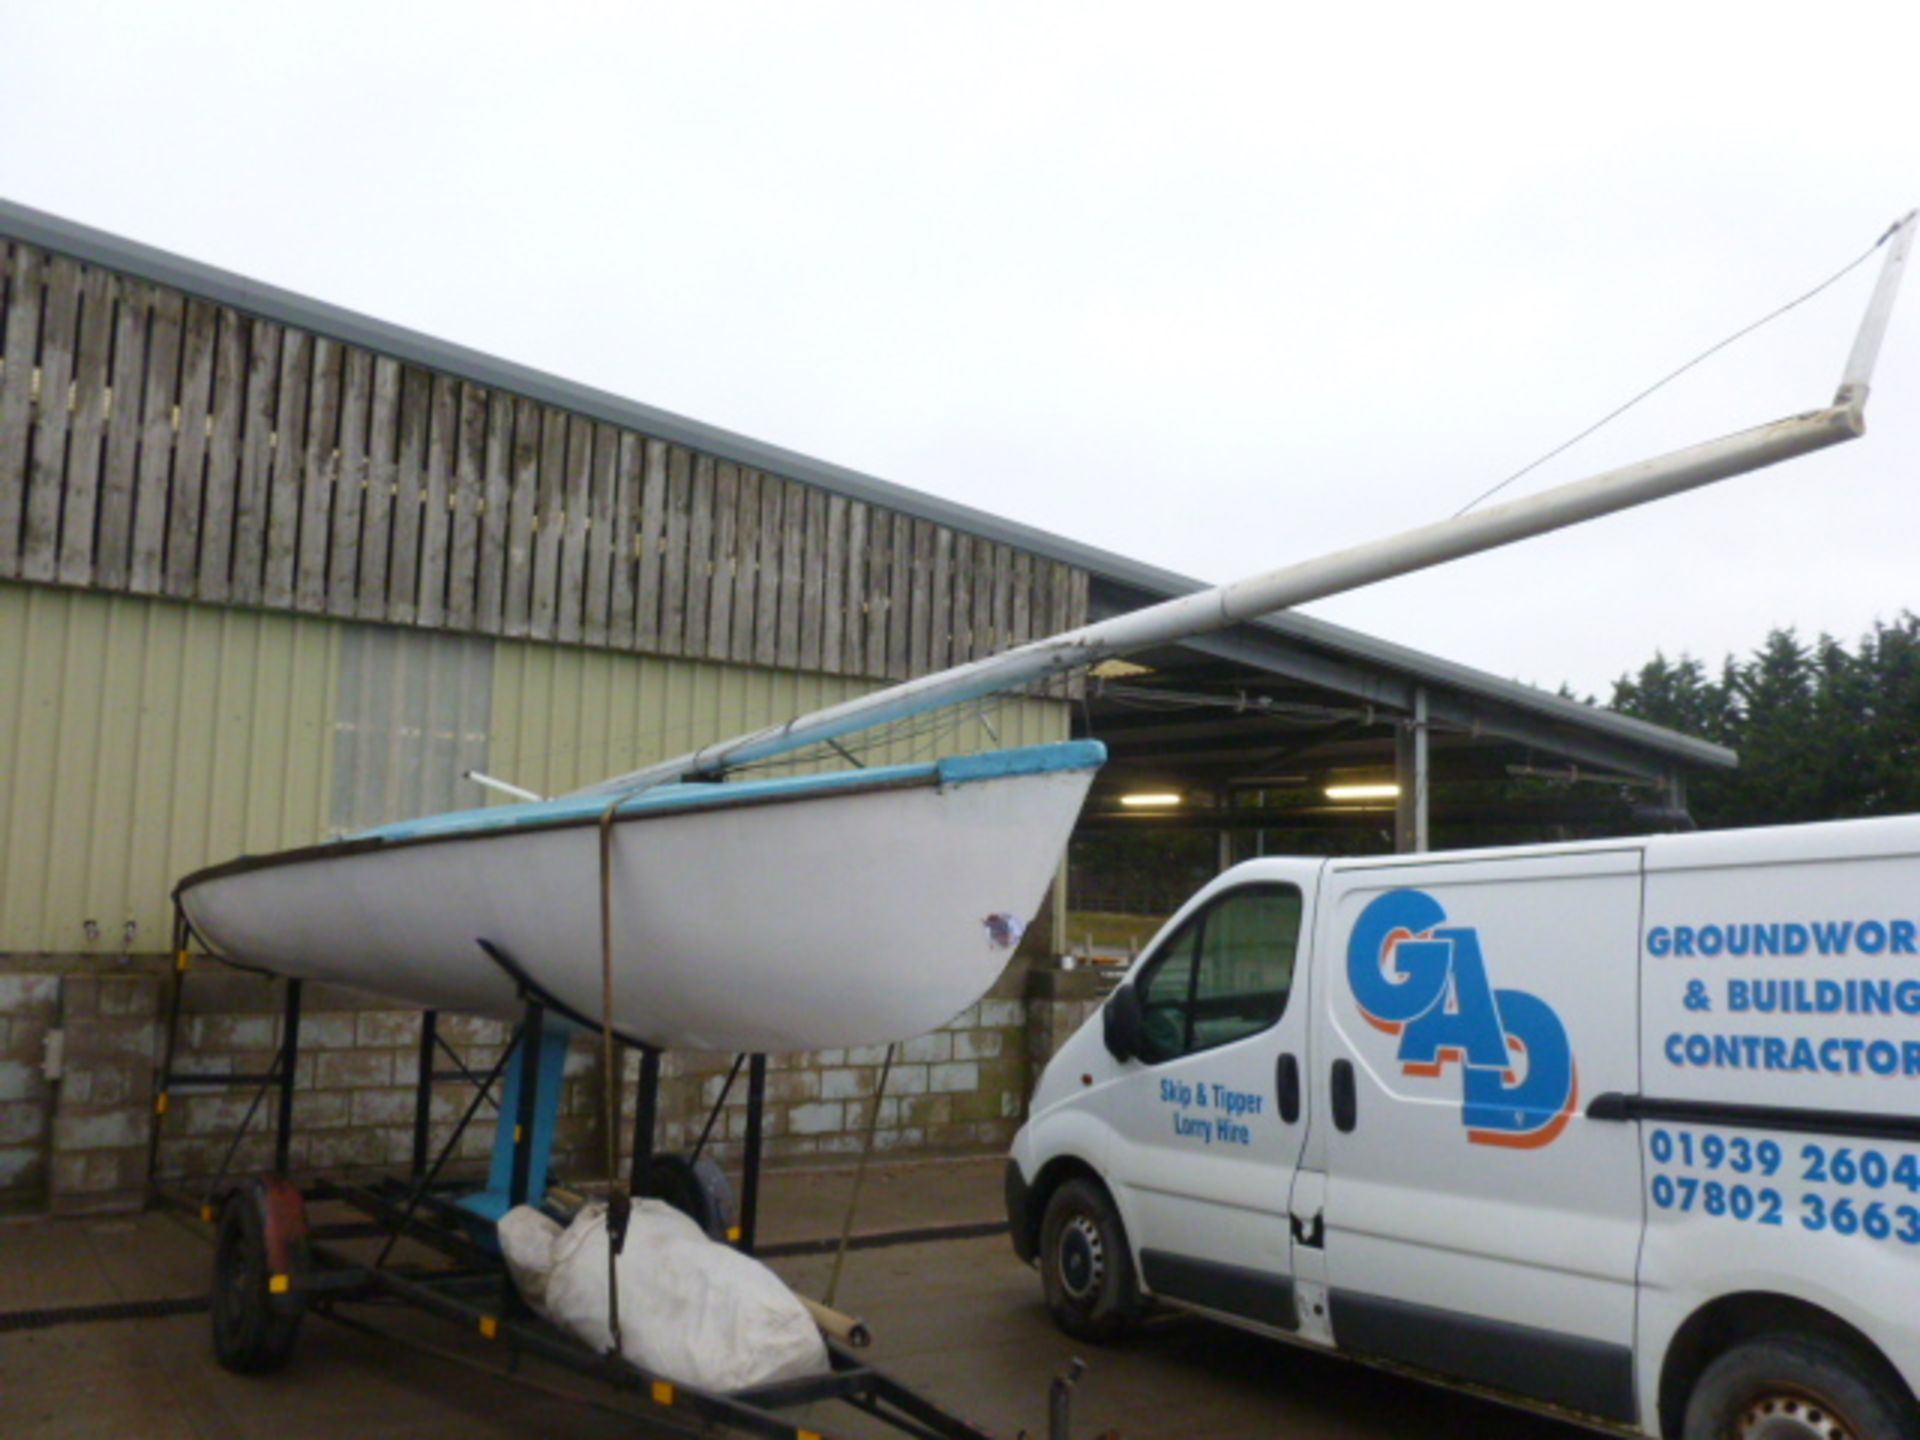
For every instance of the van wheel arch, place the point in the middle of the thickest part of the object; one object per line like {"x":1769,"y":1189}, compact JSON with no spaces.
{"x":1719,"y":1326}
{"x":1055,"y":1173}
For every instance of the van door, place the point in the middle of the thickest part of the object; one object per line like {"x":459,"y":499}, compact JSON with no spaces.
{"x":1207,"y":1123}
{"x":1476,"y":1224}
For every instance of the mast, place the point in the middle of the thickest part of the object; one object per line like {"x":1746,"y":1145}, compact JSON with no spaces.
{"x":1417,"y":549}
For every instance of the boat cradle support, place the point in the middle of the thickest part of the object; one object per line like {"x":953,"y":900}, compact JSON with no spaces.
{"x":327,"y":1245}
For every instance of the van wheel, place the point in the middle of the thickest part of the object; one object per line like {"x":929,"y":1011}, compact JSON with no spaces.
{"x":1784,"y":1387}
{"x":1085,"y":1267}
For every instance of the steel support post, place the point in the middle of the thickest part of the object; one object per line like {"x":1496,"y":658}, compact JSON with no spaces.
{"x":1410,"y":830}
{"x":170,"y":1043}
{"x":423,"y":1090}
{"x":530,"y":1039}
{"x":289,"y":1058}
{"x":646,"y":1107}
{"x":750,"y":1177}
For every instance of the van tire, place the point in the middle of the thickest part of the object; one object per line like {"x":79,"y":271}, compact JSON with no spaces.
{"x":1086,"y":1267}
{"x":1787,"y":1385}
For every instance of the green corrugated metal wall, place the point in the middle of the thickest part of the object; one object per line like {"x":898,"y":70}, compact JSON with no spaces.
{"x":141,"y":739}
{"x":563,"y":718}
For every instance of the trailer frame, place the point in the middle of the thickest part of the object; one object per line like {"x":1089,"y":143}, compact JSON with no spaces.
{"x":273,"y":1265}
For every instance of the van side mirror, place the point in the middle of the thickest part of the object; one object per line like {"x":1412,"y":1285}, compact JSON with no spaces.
{"x":1121,"y":1021}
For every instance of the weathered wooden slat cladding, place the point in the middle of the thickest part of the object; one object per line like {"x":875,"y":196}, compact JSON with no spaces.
{"x":673,"y":555}
{"x":207,"y":575}
{"x":410,"y":464}
{"x":353,"y":480}
{"x":601,"y":538}
{"x":112,"y":542}
{"x":383,"y":482}
{"x":46,"y":465}
{"x":726,"y":558}
{"x":147,"y":572}
{"x":833,"y":606}
{"x":443,"y":414}
{"x":156,"y":442}
{"x":746,"y":566}
{"x":319,"y":477}
{"x":626,"y":522}
{"x":80,"y":499}
{"x":496,"y":511}
{"x":20,"y":293}
{"x":289,"y":446}
{"x":767,"y":586}
{"x":244,"y":566}
{"x":467,"y":489}
{"x":549,"y":522}
{"x":653,"y":512}
{"x":181,"y":503}
{"x":520,"y":526}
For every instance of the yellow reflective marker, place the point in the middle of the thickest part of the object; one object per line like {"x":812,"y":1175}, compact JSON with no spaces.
{"x":490,"y":1327}
{"x":662,"y":1393}
{"x":280,"y":1285}
{"x":806,"y":1435}
{"x":206,"y":1213}
{"x":733,"y":1234}
{"x":516,"y":1134}
{"x":160,"y":1103}
{"x":180,"y":961}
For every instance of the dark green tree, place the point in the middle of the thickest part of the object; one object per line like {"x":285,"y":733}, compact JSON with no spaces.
{"x":1823,"y":733}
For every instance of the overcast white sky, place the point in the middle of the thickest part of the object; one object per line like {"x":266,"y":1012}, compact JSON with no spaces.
{"x":1213,"y":286}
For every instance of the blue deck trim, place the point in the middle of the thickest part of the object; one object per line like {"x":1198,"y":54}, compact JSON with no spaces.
{"x":957,"y":770}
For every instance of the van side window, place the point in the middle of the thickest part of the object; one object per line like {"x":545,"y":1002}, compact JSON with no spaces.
{"x":1224,"y":975}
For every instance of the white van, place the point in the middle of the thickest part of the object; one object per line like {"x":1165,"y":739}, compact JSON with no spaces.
{"x":1626,"y":1130}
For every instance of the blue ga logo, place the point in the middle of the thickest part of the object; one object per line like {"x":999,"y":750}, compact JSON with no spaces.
{"x":1417,"y":977}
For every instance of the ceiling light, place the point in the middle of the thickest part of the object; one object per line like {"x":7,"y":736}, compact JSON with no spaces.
{"x":1151,"y":799}
{"x":1386,"y":791}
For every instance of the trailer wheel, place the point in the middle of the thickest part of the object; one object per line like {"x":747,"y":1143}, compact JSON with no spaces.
{"x":1790,"y":1387}
{"x":251,"y":1336}
{"x":1086,"y":1269}
{"x":698,"y":1189}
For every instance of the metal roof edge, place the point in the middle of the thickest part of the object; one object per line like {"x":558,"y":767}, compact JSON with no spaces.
{"x":147,"y":262}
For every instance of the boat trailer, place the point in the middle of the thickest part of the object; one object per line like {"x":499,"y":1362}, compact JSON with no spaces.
{"x":282,"y":1249}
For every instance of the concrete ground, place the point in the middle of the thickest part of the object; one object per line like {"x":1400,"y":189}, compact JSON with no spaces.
{"x":962,"y":1319}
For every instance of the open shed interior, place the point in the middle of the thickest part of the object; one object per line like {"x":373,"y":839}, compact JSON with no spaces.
{"x":1294,"y":736}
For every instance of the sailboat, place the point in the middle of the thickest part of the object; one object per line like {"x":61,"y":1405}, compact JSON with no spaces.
{"x":813,"y":911}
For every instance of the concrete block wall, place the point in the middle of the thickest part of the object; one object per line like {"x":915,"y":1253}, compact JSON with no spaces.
{"x":29,"y":1007}
{"x":80,"y":1142}
{"x":1059,"y":1002}
{"x":963,"y":1087}
{"x":353,"y":1080}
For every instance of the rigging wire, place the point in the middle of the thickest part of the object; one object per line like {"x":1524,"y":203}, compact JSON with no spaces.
{"x":1673,"y":375}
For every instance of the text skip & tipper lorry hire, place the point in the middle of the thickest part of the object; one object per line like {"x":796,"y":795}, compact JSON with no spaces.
{"x":1628,"y":1130}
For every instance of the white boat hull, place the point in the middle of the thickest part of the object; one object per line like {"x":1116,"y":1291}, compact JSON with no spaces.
{"x":867,"y":914}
